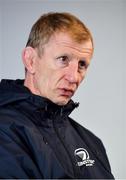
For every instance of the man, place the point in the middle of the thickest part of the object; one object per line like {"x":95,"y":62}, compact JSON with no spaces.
{"x":38,"y":139}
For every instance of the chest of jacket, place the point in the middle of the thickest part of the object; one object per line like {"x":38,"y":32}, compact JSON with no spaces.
{"x":54,"y":146}
{"x":60,"y":152}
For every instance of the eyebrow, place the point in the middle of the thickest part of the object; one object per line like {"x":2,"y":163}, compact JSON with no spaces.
{"x":83,"y":58}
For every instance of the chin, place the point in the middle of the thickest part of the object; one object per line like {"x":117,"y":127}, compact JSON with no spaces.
{"x":62,"y":102}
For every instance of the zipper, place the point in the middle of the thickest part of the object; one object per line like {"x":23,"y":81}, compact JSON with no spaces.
{"x":62,"y":142}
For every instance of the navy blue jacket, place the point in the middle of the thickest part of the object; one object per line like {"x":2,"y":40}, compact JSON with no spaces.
{"x":38,"y":139}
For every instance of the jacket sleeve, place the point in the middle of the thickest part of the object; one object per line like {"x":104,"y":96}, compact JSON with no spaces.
{"x":15,"y":159}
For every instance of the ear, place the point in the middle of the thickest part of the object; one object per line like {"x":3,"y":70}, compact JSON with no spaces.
{"x":29,"y":57}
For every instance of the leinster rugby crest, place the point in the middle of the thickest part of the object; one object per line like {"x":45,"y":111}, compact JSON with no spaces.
{"x":82,"y":157}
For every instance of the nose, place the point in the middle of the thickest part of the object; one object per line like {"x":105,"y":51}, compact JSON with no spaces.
{"x":72,"y":74}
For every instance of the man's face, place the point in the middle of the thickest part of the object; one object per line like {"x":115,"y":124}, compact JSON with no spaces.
{"x":61,"y":68}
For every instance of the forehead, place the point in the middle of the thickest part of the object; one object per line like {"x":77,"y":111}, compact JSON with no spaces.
{"x":64,"y":40}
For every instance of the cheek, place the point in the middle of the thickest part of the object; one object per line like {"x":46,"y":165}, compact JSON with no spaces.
{"x":41,"y":77}
{"x":56,"y":74}
{"x":48,"y":79}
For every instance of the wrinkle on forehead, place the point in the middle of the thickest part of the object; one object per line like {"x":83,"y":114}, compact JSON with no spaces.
{"x":82,"y":49}
{"x":65,"y":40}
{"x":77,"y":48}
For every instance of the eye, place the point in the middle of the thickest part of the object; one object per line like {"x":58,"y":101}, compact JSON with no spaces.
{"x":82,"y":64}
{"x":63,"y":60}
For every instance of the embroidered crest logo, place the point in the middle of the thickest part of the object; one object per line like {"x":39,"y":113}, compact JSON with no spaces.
{"x":82,"y":157}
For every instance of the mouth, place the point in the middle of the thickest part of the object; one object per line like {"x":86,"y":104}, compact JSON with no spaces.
{"x":66,"y":92}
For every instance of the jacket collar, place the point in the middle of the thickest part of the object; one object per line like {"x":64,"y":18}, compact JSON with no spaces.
{"x":14,"y":91}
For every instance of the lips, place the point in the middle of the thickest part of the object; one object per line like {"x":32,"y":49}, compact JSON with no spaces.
{"x":66,"y":92}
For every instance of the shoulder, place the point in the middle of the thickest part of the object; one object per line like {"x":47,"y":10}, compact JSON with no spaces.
{"x":84,"y":131}
{"x":89,"y":137}
{"x":17,"y":128}
{"x":93,"y":142}
{"x":14,"y":123}
{"x":10,"y":115}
